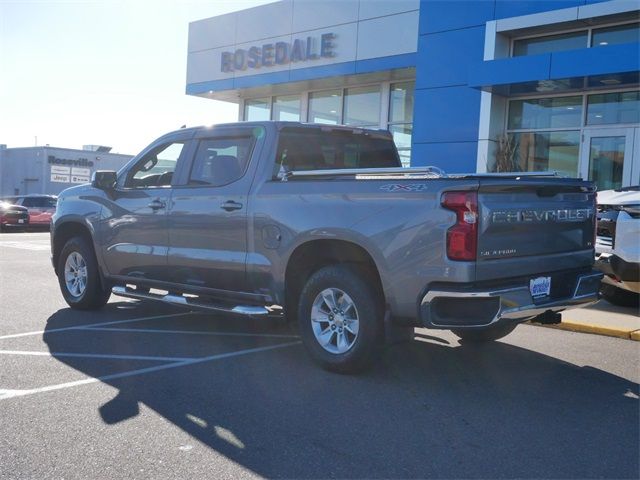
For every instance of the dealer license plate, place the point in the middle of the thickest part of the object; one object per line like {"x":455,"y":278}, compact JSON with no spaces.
{"x":540,"y":287}
{"x":21,"y":220}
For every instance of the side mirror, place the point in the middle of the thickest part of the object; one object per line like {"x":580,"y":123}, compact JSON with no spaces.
{"x":104,"y":179}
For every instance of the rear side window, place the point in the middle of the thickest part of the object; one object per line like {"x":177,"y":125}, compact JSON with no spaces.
{"x":315,"y":149}
{"x":220,"y":161}
{"x":33,"y":202}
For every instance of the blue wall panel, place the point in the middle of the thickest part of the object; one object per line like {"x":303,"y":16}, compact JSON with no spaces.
{"x":596,"y":61}
{"x":506,"y":71}
{"x":511,"y":8}
{"x":443,"y":15}
{"x":446,"y":115}
{"x":459,"y":157}
{"x":444,"y":57}
{"x":263,"y":79}
{"x":345,"y":68}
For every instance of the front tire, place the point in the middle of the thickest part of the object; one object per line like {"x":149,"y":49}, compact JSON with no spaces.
{"x":341,"y":320}
{"x":485,"y":334}
{"x":79,"y":278}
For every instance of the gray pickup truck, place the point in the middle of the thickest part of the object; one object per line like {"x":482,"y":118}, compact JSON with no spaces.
{"x":320,"y":225}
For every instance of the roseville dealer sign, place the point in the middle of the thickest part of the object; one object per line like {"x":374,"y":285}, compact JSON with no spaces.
{"x":279,"y":53}
{"x":64,"y":170}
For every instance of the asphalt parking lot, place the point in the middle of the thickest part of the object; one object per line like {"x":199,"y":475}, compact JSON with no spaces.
{"x":142,"y":390}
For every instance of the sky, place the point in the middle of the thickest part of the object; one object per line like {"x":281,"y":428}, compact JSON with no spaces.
{"x":105,"y":72}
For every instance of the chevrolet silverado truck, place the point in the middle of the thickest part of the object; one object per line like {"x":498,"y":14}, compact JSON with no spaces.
{"x":320,"y":225}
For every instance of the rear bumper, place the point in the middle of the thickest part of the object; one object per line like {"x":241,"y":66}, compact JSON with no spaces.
{"x":14,"y":220}
{"x":473,"y":308}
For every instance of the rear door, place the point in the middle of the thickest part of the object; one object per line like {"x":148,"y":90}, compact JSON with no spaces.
{"x":531,"y":226}
{"x":208,"y":215}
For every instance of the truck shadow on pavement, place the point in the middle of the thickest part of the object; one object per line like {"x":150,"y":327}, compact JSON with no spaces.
{"x":428,"y":409}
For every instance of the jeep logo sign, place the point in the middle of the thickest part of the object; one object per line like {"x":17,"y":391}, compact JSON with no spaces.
{"x":279,"y":53}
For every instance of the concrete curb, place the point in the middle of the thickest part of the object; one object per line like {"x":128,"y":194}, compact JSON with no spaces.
{"x":609,"y":331}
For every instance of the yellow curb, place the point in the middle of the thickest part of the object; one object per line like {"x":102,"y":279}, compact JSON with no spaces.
{"x":617,"y":332}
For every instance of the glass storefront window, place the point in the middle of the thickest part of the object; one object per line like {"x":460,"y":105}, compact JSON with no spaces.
{"x":538,"y":113}
{"x":550,"y":43}
{"x":402,"y":138}
{"x":401,"y":102}
{"x":325,"y":107}
{"x":606,"y":161}
{"x":362,"y":106}
{"x":286,"y":108}
{"x":257,"y":109}
{"x":543,"y":151}
{"x":615,"y":35}
{"x":611,"y":108}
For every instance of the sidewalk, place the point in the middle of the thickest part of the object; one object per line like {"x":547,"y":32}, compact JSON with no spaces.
{"x":603,"y":318}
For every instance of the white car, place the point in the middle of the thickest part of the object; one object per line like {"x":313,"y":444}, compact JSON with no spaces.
{"x":618,"y":245}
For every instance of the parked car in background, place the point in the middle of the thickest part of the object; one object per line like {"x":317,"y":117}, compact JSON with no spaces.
{"x":40,"y":207}
{"x":12,"y":216}
{"x":618,"y":245}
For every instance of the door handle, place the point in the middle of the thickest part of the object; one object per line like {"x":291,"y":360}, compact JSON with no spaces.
{"x":230,"y":205}
{"x":157,"y":204}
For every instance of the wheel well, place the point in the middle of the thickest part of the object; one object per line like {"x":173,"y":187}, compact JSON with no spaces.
{"x":62,"y":235}
{"x":316,"y":254}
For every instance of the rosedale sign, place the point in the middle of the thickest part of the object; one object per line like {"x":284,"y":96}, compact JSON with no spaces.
{"x":279,"y":53}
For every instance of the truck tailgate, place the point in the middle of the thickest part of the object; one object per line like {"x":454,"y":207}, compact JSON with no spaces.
{"x":532,"y":226}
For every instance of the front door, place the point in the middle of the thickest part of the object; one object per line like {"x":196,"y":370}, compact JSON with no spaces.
{"x":608,"y":157}
{"x":134,"y":230}
{"x":208,"y":214}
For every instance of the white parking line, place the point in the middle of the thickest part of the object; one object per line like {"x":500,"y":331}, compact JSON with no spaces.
{"x":26,"y":245}
{"x":96,"y":355}
{"x":5,"y":394}
{"x":190,"y":332}
{"x":80,"y":327}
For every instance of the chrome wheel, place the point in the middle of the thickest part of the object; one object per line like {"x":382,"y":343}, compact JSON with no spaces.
{"x":75,"y":274}
{"x":334,"y":319}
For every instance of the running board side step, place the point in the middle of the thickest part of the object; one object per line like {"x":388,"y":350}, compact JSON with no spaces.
{"x":247,"y":310}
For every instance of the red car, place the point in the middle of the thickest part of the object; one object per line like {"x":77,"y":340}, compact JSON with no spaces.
{"x":40,"y":207}
{"x":12,"y":216}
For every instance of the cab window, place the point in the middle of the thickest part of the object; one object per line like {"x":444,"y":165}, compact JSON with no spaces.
{"x":315,"y":149}
{"x":220,"y":161}
{"x":156,"y":168}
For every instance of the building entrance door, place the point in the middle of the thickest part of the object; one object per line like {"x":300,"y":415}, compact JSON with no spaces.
{"x":610,"y":157}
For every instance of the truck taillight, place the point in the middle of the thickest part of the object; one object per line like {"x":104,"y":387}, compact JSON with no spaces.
{"x":462,"y":238}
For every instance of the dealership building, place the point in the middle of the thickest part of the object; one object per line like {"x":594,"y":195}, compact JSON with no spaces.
{"x":49,"y":170}
{"x":468,"y":86}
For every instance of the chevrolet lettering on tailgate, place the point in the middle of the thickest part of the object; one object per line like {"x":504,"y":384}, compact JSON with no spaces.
{"x":534,"y":216}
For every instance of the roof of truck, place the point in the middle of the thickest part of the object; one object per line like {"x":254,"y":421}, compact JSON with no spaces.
{"x":282,"y":124}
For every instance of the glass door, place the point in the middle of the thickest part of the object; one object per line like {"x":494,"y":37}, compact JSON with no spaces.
{"x":607,"y":157}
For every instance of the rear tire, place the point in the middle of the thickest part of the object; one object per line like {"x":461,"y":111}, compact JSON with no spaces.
{"x":341,"y":320}
{"x":618,"y":296}
{"x":486,"y":334}
{"x":79,"y":277}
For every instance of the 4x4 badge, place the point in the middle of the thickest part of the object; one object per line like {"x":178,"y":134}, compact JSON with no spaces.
{"x":403,"y":187}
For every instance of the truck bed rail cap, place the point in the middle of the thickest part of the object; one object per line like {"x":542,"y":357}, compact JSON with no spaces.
{"x":368,"y":173}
